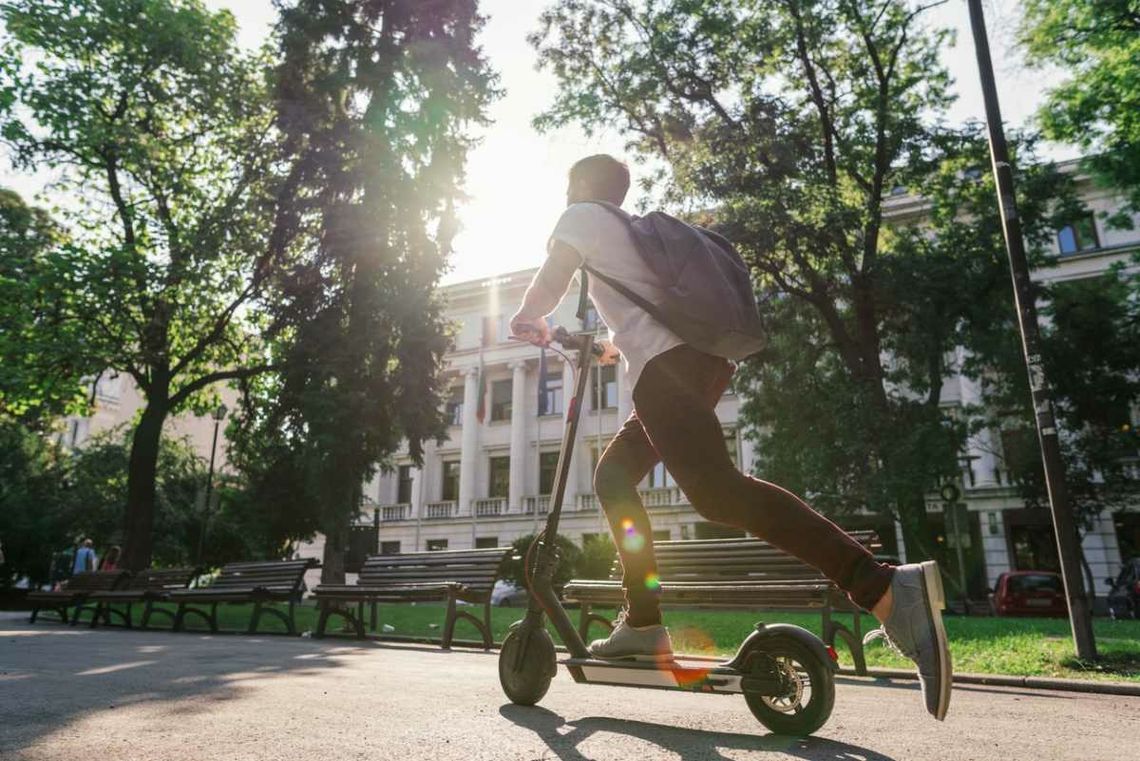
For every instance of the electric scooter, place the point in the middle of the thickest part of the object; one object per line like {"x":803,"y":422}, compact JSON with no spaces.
{"x":785,"y":672}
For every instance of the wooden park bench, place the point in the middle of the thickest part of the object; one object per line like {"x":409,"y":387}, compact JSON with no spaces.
{"x":74,"y":592}
{"x":263,"y":583}
{"x":451,"y":575}
{"x":734,"y":573}
{"x":151,"y":586}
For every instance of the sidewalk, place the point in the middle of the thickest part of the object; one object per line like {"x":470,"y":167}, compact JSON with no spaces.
{"x":68,"y":693}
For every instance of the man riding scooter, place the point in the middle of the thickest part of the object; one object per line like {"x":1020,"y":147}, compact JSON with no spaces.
{"x":676,"y":385}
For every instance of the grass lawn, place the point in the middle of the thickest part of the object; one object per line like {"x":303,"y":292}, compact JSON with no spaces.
{"x":1015,"y":646}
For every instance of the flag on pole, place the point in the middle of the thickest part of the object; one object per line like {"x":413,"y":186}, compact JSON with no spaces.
{"x":481,"y":405}
{"x":543,"y":394}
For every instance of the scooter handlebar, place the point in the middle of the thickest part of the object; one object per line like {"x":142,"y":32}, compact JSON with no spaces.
{"x":570,"y":341}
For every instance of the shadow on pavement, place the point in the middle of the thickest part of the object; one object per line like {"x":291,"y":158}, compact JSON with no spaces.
{"x":689,"y":744}
{"x":52,"y":675}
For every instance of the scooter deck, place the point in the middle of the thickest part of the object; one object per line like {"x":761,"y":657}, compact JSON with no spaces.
{"x":693,"y":676}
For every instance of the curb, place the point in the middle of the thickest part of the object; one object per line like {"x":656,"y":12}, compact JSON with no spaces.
{"x":1001,"y":680}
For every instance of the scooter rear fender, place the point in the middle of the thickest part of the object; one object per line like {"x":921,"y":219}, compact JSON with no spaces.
{"x":767,"y":632}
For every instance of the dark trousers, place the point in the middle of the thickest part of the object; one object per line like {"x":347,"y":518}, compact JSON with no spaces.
{"x":674,"y":422}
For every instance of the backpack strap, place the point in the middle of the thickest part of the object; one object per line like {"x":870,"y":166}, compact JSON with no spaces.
{"x":583,"y":293}
{"x":629,"y":294}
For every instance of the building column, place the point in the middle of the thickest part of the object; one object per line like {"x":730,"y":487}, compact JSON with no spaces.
{"x":518,"y":436}
{"x":570,"y":501}
{"x":469,"y":442}
{"x":979,"y":447}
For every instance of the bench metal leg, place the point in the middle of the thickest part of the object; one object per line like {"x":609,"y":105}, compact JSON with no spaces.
{"x":586,"y":617}
{"x":449,"y":622}
{"x":854,"y":640}
{"x":328,"y":611}
{"x":253,"y":618}
{"x":375,"y":614}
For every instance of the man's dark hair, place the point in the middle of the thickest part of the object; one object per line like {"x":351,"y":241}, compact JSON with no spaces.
{"x":606,"y":178}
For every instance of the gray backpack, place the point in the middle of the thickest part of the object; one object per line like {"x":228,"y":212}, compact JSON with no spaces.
{"x":709,"y":302}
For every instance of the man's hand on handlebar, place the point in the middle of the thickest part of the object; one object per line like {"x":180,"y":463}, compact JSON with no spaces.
{"x":533,"y":330}
{"x":610,"y":354}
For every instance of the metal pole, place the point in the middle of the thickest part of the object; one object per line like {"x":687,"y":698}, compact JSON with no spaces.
{"x":209,"y":487}
{"x":1064,"y":526}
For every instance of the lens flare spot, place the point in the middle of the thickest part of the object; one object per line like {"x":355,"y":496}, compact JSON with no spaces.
{"x":633,"y":542}
{"x":653,"y":582}
{"x":627,"y":526}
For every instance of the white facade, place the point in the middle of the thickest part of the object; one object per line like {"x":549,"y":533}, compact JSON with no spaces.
{"x":429,"y":511}
{"x":435,"y":509}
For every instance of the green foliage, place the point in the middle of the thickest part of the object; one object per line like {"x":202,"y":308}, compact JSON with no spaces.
{"x":1098,"y":107}
{"x":785,"y":123}
{"x":597,"y":558}
{"x":52,"y":497}
{"x":37,"y":382}
{"x":372,"y":102}
{"x":1091,"y":347}
{"x":162,"y":130}
{"x":569,"y":556}
{"x":30,"y":528}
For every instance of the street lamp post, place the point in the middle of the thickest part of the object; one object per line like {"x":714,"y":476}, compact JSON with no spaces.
{"x":219,"y":415}
{"x":1064,"y":525}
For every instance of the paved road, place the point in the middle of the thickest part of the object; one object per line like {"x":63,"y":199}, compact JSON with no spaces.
{"x":72,"y":694}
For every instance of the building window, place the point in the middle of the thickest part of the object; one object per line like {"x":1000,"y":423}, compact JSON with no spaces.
{"x":454,"y":407}
{"x":603,"y":387}
{"x":435,"y":545}
{"x":486,"y":542}
{"x":500,"y":481}
{"x":390,"y":548}
{"x":450,"y":487}
{"x":547,"y":467}
{"x":659,"y":477}
{"x":501,"y":400}
{"x":550,"y":402}
{"x":404,"y":485}
{"x":1078,"y":237}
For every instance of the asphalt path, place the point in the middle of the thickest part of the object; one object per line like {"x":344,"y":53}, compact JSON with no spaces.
{"x":73,"y":693}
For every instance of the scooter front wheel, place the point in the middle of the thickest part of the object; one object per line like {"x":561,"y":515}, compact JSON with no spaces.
{"x":804,"y":705}
{"x":527,"y":663}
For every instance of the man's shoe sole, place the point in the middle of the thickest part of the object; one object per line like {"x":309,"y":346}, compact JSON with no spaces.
{"x":936,"y":603}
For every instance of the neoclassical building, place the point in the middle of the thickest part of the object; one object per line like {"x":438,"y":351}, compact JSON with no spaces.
{"x":489,"y":482}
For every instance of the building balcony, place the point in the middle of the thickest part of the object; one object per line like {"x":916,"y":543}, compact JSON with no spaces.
{"x":541,"y":503}
{"x":401,"y":512}
{"x":666,"y":496}
{"x":439,"y":510}
{"x":490,"y":507}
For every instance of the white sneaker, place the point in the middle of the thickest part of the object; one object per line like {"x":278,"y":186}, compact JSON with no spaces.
{"x":638,"y":643}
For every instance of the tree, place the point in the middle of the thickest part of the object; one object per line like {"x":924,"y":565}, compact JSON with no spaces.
{"x":36,"y":383}
{"x":791,"y":125}
{"x":163,"y":130}
{"x":30,"y":526}
{"x":373,"y":97}
{"x":787,"y":122}
{"x":1098,"y":107}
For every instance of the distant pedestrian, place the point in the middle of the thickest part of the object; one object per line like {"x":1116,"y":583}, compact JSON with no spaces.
{"x":85,"y":558}
{"x":110,"y":561}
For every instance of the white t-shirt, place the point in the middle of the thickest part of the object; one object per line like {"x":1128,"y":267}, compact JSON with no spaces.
{"x":604,"y":242}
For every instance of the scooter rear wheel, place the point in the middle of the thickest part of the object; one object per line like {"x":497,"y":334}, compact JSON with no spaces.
{"x":525,"y":680}
{"x":806,"y":704}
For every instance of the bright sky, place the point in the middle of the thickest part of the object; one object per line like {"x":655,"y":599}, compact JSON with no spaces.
{"x":516,"y":177}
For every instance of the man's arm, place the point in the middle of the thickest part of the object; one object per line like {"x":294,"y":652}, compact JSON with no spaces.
{"x":545,"y":292}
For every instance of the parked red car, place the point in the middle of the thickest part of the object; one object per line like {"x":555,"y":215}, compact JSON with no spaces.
{"x":1029,"y":593}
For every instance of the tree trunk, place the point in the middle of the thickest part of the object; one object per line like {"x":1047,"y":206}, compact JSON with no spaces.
{"x":332,"y":563}
{"x":141,"y":475}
